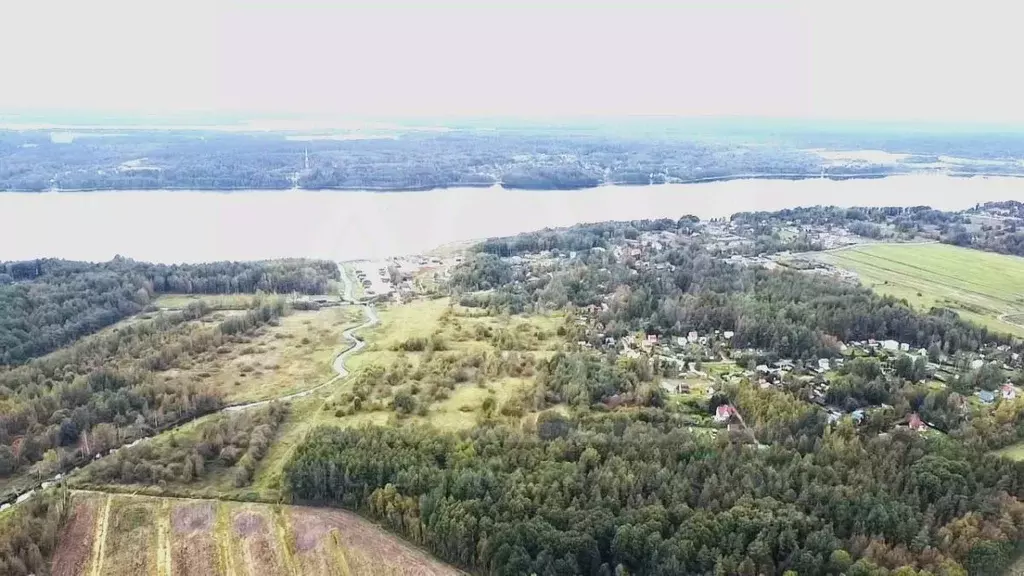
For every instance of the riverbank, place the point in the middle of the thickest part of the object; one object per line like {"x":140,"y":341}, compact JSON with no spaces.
{"x":193,"y":226}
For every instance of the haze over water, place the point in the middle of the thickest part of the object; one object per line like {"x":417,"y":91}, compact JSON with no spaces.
{"x":177,"y":226}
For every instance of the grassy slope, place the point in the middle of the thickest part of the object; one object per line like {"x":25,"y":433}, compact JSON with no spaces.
{"x":980,"y":286}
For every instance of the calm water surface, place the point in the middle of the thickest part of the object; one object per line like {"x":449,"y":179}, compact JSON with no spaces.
{"x":163,"y":226}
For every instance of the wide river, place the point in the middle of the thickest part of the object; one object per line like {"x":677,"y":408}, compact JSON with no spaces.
{"x":176,"y":226}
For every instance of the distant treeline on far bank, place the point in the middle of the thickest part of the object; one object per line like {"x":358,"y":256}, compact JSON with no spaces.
{"x":532,"y":158}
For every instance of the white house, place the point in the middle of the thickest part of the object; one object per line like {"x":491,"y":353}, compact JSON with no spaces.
{"x":823,"y":364}
{"x":891,"y":345}
{"x":728,"y":334}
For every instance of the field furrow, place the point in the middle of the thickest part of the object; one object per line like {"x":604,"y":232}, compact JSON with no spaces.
{"x":135,"y":535}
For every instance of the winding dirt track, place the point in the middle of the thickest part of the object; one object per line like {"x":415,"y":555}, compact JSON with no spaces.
{"x":339,"y":365}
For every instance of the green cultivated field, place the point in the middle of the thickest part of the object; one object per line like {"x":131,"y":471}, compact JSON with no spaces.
{"x":983,"y":287}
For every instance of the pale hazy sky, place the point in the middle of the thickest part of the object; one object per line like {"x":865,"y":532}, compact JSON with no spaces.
{"x":893,"y":59}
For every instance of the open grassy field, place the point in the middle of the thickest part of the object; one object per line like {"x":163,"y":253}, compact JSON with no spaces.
{"x":462,"y":333}
{"x":983,"y":287}
{"x":292,"y":356}
{"x":141,"y":535}
{"x":1013,"y":451}
{"x":460,"y":409}
{"x":217,"y":301}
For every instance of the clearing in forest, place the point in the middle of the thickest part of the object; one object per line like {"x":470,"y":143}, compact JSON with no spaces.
{"x":432,"y":362}
{"x":982,"y":287}
{"x":292,"y":356}
{"x":207,"y":537}
{"x":1013,"y":451}
{"x":216,"y":301}
{"x":443,"y":363}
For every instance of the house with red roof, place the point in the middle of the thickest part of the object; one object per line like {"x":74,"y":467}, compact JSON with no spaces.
{"x":724,"y":413}
{"x":915,"y":423}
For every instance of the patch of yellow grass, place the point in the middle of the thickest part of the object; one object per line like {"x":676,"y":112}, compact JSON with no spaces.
{"x":219,"y":301}
{"x":293,"y":356}
{"x":131,"y":542}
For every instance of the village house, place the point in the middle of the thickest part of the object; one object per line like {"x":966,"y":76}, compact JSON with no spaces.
{"x":823,"y":365}
{"x":728,"y":334}
{"x":724,"y":413}
{"x":890,"y":345}
{"x":915,"y":423}
{"x":691,"y":336}
{"x":1009,"y":392}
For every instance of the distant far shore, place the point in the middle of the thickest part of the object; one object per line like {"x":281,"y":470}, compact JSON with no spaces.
{"x":266,"y":224}
{"x":502,"y":186}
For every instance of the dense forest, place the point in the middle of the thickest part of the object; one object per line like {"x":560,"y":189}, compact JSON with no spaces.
{"x":29,"y":533}
{"x":530,"y":157}
{"x":636,"y":493}
{"x":46,"y":304}
{"x":235,"y":442}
